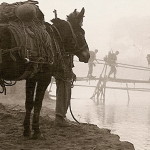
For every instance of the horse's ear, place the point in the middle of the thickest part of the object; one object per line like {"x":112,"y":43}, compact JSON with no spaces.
{"x":81,"y":14}
{"x":75,"y":11}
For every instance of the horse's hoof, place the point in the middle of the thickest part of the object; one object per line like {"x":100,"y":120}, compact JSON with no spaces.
{"x":36,"y":136}
{"x":27,"y":133}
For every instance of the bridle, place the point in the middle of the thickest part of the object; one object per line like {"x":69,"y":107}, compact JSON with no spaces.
{"x":60,"y":47}
{"x":74,"y":38}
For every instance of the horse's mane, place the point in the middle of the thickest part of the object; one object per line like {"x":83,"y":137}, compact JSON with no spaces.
{"x":57,"y":21}
{"x":76,"y":17}
{"x":72,"y":15}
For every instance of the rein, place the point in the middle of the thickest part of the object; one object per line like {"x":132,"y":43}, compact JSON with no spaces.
{"x":58,"y":47}
{"x":61,"y":52}
{"x":75,"y":39}
{"x":4,"y":83}
{"x":62,"y":59}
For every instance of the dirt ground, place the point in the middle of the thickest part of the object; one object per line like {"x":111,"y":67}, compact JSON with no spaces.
{"x":76,"y":137}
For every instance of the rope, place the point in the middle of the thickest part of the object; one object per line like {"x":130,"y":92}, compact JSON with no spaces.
{"x":134,"y":68}
{"x":124,"y":65}
{"x":72,"y":113}
{"x":43,"y":42}
{"x":4,"y":83}
{"x":63,"y":64}
{"x":34,"y":39}
{"x":61,"y":56}
{"x":58,"y":49}
{"x":26,"y":40}
{"x":128,"y":66}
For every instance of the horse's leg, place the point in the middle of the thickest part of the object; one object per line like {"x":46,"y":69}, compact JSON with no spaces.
{"x":40,"y":91}
{"x":30,"y":88}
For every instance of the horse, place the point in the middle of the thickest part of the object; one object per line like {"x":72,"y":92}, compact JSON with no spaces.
{"x":68,"y":38}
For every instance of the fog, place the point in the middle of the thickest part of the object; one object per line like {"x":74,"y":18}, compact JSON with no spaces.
{"x":122,"y":25}
{"x":110,"y":25}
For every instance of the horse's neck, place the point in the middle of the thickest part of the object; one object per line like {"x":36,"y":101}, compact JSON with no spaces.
{"x":63,"y":61}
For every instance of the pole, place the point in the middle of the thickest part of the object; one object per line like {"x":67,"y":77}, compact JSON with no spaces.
{"x":55,"y":12}
{"x":128,"y":93}
{"x":104,"y":84}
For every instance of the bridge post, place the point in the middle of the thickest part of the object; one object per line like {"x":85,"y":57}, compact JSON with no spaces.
{"x":100,"y":89}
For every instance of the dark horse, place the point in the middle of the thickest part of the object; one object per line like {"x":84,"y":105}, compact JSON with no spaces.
{"x":68,"y":38}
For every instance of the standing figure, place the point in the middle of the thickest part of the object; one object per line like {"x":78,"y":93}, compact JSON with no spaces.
{"x":91,"y":63}
{"x":148,"y":59}
{"x":111,"y":61}
{"x":64,"y":82}
{"x":64,"y":74}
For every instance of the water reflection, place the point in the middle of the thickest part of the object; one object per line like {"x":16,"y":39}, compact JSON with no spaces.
{"x":100,"y":111}
{"x":130,"y":121}
{"x":149,"y":116}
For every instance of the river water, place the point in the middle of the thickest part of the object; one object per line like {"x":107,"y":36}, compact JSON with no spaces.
{"x":125,"y":115}
{"x":130,"y":119}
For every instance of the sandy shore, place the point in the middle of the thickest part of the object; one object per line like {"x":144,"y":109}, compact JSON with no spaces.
{"x":76,"y":137}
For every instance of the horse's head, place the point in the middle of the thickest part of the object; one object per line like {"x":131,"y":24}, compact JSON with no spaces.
{"x":72,"y":35}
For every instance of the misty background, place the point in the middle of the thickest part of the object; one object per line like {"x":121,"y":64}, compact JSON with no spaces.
{"x":111,"y":24}
{"x":122,"y":25}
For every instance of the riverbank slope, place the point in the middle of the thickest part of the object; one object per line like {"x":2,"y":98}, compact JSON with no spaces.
{"x":77,"y":137}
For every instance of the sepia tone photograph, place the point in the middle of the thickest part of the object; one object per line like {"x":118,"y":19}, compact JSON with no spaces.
{"x":74,"y":75}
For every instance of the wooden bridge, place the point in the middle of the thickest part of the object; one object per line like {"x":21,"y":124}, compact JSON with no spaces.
{"x":113,"y":80}
{"x":100,"y":88}
{"x":102,"y":80}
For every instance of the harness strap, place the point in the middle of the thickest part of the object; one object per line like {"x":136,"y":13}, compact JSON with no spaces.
{"x":75,"y":38}
{"x":58,"y":33}
{"x":73,"y":34}
{"x":58,"y":47}
{"x":61,"y":52}
{"x":25,"y":75}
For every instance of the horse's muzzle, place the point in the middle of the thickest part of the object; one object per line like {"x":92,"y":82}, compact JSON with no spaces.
{"x":84,"y":57}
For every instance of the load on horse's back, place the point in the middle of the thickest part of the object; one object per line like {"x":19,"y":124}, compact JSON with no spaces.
{"x":34,"y":50}
{"x":25,"y":22}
